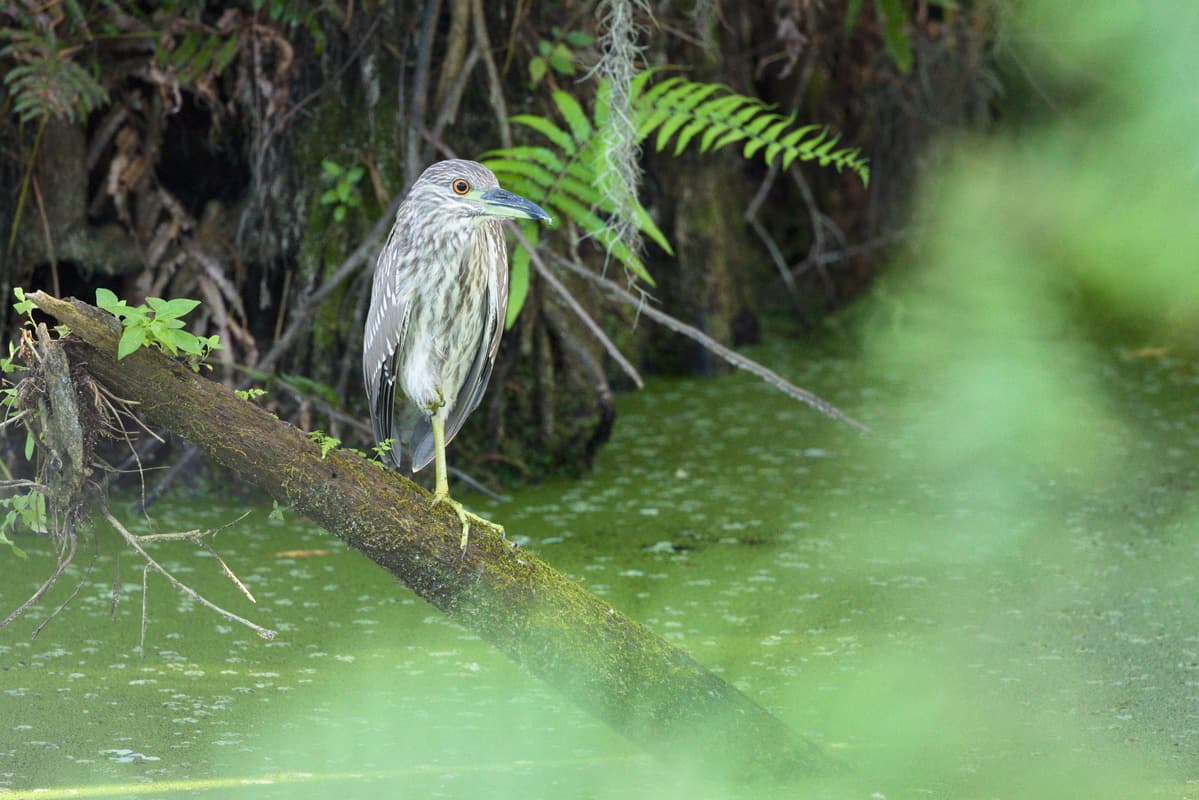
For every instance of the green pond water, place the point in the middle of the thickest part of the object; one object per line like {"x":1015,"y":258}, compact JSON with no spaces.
{"x":968,"y":602}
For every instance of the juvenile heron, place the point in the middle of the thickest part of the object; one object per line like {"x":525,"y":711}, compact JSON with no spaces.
{"x":437,"y":312}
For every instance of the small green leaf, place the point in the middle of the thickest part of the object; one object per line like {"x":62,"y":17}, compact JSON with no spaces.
{"x":106,"y":300}
{"x":24,"y":305}
{"x":537,"y":67}
{"x":518,"y":280}
{"x":331,"y":168}
{"x":562,"y":60}
{"x":339,"y":213}
{"x":329,"y":197}
{"x":133,"y":338}
{"x":325,"y":441}
{"x":186,"y":342}
{"x":179,"y":307}
{"x":18,"y":552}
{"x":354,"y":175}
{"x":30,"y":442}
{"x":579,"y":38}
{"x":895,"y":35}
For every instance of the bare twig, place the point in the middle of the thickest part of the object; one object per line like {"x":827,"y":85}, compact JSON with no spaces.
{"x":63,"y":563}
{"x":228,"y":572}
{"x":449,"y":108}
{"x":495,"y":87}
{"x":265,"y":633}
{"x":570,"y":301}
{"x":86,"y":574}
{"x":820,"y":221}
{"x":452,"y":50}
{"x":751,"y":217}
{"x":420,"y":89}
{"x":751,"y":212}
{"x":168,"y":478}
{"x":13,"y":418}
{"x":41,"y":209}
{"x":105,"y":396}
{"x":476,"y":485}
{"x":867,"y":246}
{"x":25,"y":484}
{"x":141,"y":644}
{"x":734,"y":358}
{"x":116,"y":585}
{"x":195,"y":536}
{"x":301,"y":317}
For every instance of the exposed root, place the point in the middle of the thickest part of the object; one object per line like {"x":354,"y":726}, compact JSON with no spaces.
{"x":66,"y":412}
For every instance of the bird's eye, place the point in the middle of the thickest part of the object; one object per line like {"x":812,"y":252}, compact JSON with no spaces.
{"x":460,"y":186}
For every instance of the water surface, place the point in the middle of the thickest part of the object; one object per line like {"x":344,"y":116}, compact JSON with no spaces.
{"x":950,"y":615}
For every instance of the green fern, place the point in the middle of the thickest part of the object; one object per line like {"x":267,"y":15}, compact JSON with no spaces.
{"x":564,"y":180}
{"x":198,"y":54}
{"x":46,"y":82}
{"x":672,"y":114}
{"x":680,"y":110}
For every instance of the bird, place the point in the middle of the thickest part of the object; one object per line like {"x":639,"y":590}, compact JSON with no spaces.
{"x":438,"y":303}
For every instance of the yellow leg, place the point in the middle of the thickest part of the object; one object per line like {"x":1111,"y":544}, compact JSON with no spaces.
{"x":441,"y":491}
{"x":443,"y":484}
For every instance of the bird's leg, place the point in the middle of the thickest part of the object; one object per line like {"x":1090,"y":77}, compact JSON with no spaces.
{"x":441,"y":492}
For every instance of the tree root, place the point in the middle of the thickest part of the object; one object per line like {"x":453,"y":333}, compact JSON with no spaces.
{"x":66,"y":412}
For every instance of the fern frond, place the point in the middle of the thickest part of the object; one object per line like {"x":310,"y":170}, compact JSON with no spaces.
{"x":575,"y":116}
{"x":679,"y":110}
{"x":47,"y":83}
{"x":568,"y":176}
{"x":549,"y":130}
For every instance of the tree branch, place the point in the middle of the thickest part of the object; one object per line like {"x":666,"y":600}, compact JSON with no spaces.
{"x":736,"y":359}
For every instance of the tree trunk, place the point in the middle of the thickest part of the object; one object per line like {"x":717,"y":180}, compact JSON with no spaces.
{"x":613,"y":667}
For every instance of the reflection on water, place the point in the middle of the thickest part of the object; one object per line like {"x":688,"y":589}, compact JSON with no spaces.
{"x":946,"y":637}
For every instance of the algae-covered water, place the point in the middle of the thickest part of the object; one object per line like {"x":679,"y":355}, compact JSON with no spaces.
{"x":951,"y":616}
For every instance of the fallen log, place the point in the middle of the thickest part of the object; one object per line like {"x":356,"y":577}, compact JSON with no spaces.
{"x":613,"y":667}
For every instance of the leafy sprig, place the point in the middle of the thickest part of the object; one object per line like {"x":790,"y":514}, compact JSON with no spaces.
{"x":324,"y":441}
{"x":159,"y":323}
{"x":344,"y":194}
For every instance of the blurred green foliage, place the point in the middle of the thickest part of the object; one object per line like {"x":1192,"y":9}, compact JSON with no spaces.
{"x":1054,"y":254}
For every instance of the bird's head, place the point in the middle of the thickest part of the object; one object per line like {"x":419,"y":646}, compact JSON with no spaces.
{"x":467,"y":189}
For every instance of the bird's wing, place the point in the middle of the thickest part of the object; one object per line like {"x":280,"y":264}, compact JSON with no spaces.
{"x":494,"y":309}
{"x":392,"y":418}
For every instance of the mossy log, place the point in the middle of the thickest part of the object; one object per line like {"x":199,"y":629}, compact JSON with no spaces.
{"x":613,"y":667}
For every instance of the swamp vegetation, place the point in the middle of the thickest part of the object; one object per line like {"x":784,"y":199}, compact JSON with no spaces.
{"x":990,"y":593}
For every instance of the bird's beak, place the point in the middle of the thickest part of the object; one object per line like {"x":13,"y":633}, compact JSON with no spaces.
{"x":500,"y":203}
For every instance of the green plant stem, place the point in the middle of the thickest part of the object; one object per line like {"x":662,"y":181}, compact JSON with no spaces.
{"x":25,"y":182}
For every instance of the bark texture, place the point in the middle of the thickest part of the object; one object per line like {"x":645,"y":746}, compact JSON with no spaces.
{"x":610,"y":665}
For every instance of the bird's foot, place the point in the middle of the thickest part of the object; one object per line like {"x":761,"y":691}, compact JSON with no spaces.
{"x":464,"y":516}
